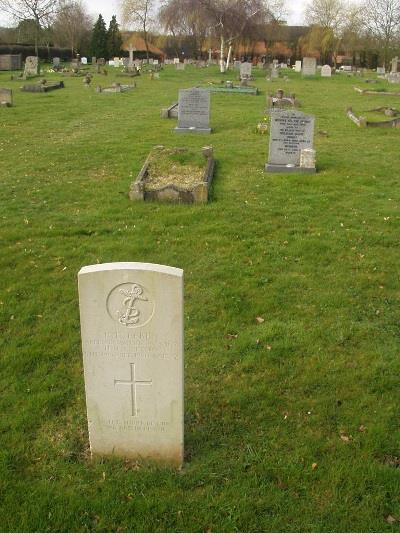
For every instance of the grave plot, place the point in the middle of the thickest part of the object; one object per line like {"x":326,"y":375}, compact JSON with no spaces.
{"x":171,"y":111}
{"x":115,"y":88}
{"x":280,"y":100}
{"x":375,"y":93}
{"x":175,"y":175}
{"x":372,"y":120}
{"x":43,"y":87}
{"x":230,"y":88}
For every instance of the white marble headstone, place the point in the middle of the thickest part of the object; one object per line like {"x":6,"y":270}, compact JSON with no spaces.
{"x":84,"y":60}
{"x":132,"y":342}
{"x":326,"y":71}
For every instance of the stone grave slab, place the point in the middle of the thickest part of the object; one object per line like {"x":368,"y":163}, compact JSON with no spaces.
{"x":309,"y":66}
{"x":43,"y":87}
{"x":194,"y":111}
{"x":132,"y":342}
{"x":171,"y":111}
{"x":291,"y":140}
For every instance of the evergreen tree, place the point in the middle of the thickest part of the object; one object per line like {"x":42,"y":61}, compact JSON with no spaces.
{"x":99,"y":39}
{"x":114,"y":38}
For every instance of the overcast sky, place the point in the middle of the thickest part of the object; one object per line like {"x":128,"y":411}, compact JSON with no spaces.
{"x":110,"y":7}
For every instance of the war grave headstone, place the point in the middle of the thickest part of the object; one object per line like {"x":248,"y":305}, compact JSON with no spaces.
{"x":245,"y":71}
{"x":298,"y":66}
{"x":6,"y":97}
{"x":32,"y":66}
{"x":291,"y":142}
{"x":309,"y":66}
{"x":132,"y":342}
{"x":84,"y":60}
{"x":10,"y":62}
{"x":326,"y":71}
{"x":194,"y":111}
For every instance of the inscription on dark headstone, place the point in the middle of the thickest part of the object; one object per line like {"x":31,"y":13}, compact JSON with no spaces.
{"x":194,"y":111}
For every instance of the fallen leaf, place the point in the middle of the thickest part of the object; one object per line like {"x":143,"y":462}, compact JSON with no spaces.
{"x":314,"y":466}
{"x":260,"y":320}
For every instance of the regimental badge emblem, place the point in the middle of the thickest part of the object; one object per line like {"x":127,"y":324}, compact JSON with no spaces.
{"x":131,"y":305}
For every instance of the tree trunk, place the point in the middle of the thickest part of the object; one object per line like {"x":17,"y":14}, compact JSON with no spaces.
{"x":146,"y":44}
{"x":221,"y":61}
{"x":229,"y":56}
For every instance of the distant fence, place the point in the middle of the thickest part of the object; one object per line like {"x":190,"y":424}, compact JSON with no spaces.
{"x":45,"y":53}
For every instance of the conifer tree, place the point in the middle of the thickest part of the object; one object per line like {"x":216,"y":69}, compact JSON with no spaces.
{"x":99,"y":39}
{"x":114,"y":38}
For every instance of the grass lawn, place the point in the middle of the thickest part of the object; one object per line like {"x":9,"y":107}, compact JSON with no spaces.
{"x":292,"y":424}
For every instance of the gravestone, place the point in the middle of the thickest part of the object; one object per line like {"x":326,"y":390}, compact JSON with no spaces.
{"x":101,"y":61}
{"x":94,"y":60}
{"x":180,"y":66}
{"x":10,"y":62}
{"x":245,"y":70}
{"x":56,"y":62}
{"x":309,"y":66}
{"x":298,"y":66}
{"x":291,"y":141}
{"x":236,"y":65}
{"x":32,"y":67}
{"x":84,"y":60}
{"x":274,"y":73}
{"x":125,"y":62}
{"x":381,"y":70}
{"x":6,"y":97}
{"x":132,"y":342}
{"x":176,"y":60}
{"x":194,"y":111}
{"x":395,"y":65}
{"x":116,"y":62}
{"x":326,"y":71}
{"x":155,"y":62}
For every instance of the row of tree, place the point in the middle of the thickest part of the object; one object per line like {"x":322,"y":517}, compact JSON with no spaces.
{"x":336,"y":27}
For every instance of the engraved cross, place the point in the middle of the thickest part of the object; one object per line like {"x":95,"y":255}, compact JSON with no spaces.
{"x":133,"y":383}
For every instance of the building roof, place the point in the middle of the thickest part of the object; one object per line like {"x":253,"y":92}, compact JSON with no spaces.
{"x":139,"y":45}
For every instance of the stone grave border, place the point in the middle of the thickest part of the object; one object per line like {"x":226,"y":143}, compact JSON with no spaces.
{"x":199,"y":194}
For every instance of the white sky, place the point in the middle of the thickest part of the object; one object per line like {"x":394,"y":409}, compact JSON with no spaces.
{"x":110,"y":7}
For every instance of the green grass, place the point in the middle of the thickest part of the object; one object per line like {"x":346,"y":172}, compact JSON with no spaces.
{"x":315,"y":256}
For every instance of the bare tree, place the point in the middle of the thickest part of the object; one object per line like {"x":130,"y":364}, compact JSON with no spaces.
{"x":232,"y":19}
{"x":41,"y":11}
{"x":139,"y":13}
{"x":382,"y":19}
{"x":72,"y":25}
{"x":326,"y":13}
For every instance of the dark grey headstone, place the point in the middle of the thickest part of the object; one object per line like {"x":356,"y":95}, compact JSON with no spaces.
{"x":291,"y":132}
{"x":194,"y":111}
{"x":10,"y":62}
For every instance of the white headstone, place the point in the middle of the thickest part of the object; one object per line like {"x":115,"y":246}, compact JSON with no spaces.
{"x":84,"y":60}
{"x":381,"y":70}
{"x":176,"y":60}
{"x":298,"y":66}
{"x":326,"y":71}
{"x":132,"y":342}
{"x":309,"y":66}
{"x":111,"y":63}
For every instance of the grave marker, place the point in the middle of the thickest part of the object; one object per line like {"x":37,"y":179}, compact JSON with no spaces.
{"x":326,"y":71}
{"x":10,"y":62}
{"x":309,"y":66}
{"x":6,"y":97}
{"x":291,"y":140}
{"x":298,"y":66}
{"x":132,"y":343}
{"x":245,"y":70}
{"x":32,"y":67}
{"x":194,"y":111}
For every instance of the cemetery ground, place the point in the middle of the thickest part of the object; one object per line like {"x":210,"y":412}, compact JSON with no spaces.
{"x":291,"y":312}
